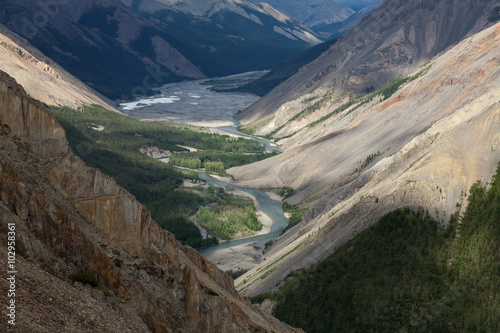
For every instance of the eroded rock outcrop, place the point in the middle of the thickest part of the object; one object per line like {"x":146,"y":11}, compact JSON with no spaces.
{"x":70,"y":218}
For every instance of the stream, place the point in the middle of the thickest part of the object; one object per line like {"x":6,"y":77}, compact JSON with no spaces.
{"x":193,"y":103}
{"x":265,"y":205}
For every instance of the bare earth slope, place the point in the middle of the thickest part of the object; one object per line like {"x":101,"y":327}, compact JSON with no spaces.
{"x":70,"y":218}
{"x":428,"y":143}
{"x":42,"y":78}
{"x":393,"y":41}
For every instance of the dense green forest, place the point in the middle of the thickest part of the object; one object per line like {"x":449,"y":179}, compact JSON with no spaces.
{"x":406,"y":273}
{"x":228,"y":216}
{"x":216,"y":161}
{"x":111,"y":142}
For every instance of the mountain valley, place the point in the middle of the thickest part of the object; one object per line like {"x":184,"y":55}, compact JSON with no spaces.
{"x":74,"y":222}
{"x":381,"y":145}
{"x":126,"y":48}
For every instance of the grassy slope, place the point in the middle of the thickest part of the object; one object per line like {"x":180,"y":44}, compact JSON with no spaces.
{"x":406,"y":274}
{"x":115,"y":151}
{"x":387,"y":90}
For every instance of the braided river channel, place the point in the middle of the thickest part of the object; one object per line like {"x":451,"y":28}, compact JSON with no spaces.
{"x":193,"y":103}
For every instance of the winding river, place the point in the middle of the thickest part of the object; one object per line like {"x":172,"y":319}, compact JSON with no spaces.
{"x":193,"y":103}
{"x":265,"y":205}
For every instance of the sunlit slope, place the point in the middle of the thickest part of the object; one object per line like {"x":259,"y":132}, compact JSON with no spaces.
{"x":406,"y":273}
{"x":391,"y":42}
{"x":42,"y":78}
{"x":423,"y":146}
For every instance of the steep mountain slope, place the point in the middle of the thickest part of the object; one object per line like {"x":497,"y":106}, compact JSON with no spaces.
{"x":338,"y":29}
{"x":214,"y":10}
{"x":422,"y":145}
{"x":42,"y":78}
{"x":393,"y":41}
{"x":284,"y":70}
{"x":229,"y":36}
{"x":103,"y":43}
{"x":408,"y":273}
{"x":357,"y":5}
{"x":312,"y":12}
{"x":71,"y":220}
{"x":123,"y":49}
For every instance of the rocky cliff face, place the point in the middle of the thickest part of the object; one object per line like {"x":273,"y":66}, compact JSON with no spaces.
{"x":391,"y":42}
{"x":70,"y":218}
{"x":423,"y":147}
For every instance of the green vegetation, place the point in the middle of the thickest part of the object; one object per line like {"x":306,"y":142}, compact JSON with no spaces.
{"x":314,"y":107}
{"x":115,"y":151}
{"x":406,"y":274}
{"x":308,"y":110}
{"x":247,"y":131}
{"x":209,"y":291}
{"x":236,"y":274}
{"x":357,"y":172}
{"x":84,"y":278}
{"x":91,"y":281}
{"x":387,"y":90}
{"x":367,"y":162}
{"x":340,"y":109}
{"x":228,"y":216}
{"x":217,"y":161}
{"x":286,"y":192}
{"x":296,"y":215}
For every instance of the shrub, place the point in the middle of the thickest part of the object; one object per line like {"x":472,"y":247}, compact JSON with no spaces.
{"x":84,"y":278}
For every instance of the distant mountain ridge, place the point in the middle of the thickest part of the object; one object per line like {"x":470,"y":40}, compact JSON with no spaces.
{"x":328,"y":12}
{"x":125,"y":48}
{"x":312,"y":12}
{"x":290,"y":67}
{"x":338,"y":29}
{"x":392,"y":41}
{"x":100,"y":42}
{"x":357,"y":5}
